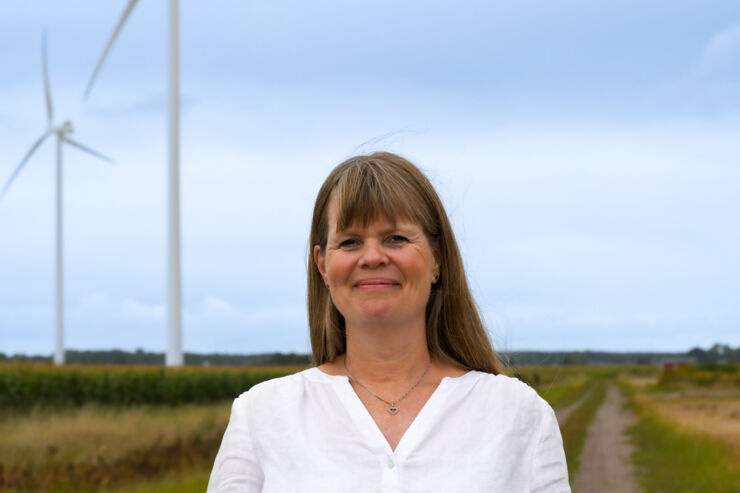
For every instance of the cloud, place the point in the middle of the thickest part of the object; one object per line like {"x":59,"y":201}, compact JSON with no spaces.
{"x":216,"y":310}
{"x":212,"y":323}
{"x":720,"y":52}
{"x":94,"y":300}
{"x":709,"y":84}
{"x":131,"y":308}
{"x":153,"y":104}
{"x":213,"y":306}
{"x":216,"y":324}
{"x":576,"y":326}
{"x":97,"y":303}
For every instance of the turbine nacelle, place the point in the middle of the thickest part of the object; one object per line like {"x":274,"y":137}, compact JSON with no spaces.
{"x":64,"y":129}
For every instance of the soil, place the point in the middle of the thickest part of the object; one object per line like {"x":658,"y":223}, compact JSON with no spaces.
{"x":605,"y":461}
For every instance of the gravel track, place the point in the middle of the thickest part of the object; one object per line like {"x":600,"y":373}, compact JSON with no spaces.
{"x":605,"y":461}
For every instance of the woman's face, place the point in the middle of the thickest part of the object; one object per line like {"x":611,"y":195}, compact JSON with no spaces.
{"x":379,"y":272}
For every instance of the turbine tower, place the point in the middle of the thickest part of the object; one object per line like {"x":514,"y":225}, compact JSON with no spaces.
{"x":62,"y":133}
{"x":174,"y":290}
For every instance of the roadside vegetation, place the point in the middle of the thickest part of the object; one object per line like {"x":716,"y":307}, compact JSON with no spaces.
{"x":687,"y":438}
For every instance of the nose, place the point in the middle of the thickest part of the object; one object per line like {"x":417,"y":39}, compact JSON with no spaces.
{"x":373,"y":255}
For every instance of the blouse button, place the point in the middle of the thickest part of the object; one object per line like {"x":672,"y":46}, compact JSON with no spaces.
{"x":391,"y":463}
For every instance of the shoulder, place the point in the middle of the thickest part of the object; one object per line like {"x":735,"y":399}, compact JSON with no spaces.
{"x":501,"y":390}
{"x":511,"y":387}
{"x":276,"y":411}
{"x":280,"y":390}
{"x":501,"y":411}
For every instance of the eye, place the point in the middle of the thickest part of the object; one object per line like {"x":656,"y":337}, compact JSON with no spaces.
{"x":349,"y":243}
{"x":397,"y":239}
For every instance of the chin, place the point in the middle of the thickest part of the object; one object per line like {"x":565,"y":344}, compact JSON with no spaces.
{"x":378,"y":310}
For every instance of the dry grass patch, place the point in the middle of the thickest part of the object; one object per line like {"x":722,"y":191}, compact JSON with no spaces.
{"x":639,"y":381}
{"x":94,"y":433}
{"x":679,"y":445}
{"x":718,"y":418}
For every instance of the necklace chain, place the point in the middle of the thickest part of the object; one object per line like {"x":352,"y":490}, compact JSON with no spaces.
{"x":392,"y":407}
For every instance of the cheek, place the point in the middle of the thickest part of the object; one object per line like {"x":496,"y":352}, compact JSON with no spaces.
{"x":420,"y":266}
{"x":338,"y":268}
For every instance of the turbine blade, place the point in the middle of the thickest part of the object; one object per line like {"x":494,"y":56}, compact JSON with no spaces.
{"x":87,"y":149}
{"x":47,"y":90}
{"x":126,"y":12}
{"x":23,"y":162}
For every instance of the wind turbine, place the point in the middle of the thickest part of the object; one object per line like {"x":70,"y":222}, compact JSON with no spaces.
{"x":62,"y":133}
{"x":174,"y":291}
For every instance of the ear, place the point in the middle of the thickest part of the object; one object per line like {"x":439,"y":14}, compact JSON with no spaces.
{"x":437,"y":265}
{"x":320,"y":261}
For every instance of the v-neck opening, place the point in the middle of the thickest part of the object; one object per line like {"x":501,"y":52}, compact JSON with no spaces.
{"x":366,"y":425}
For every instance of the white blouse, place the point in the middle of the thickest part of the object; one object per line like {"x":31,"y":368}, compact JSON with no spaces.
{"x":309,"y":432}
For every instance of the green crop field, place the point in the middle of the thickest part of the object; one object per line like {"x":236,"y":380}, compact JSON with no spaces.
{"x":23,"y":386}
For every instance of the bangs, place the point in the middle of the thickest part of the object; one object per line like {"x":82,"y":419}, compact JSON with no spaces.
{"x":367,"y":192}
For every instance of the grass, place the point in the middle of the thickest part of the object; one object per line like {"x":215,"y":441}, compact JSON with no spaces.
{"x":563,"y":385}
{"x":193,"y":482}
{"x":103,"y":433}
{"x":566,"y":392}
{"x":557,"y":385}
{"x":669,"y":459}
{"x":93,"y":446}
{"x":672,"y":458}
{"x":190,"y":482}
{"x":716,"y":417}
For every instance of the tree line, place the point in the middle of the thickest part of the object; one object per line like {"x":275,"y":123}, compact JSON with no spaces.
{"x":718,"y":353}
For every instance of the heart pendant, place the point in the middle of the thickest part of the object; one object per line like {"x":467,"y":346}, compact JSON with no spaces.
{"x":393,"y":409}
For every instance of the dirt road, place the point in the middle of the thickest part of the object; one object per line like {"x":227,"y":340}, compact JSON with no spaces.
{"x":605,"y":461}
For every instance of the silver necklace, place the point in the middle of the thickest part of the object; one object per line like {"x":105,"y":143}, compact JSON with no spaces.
{"x":392,"y":407}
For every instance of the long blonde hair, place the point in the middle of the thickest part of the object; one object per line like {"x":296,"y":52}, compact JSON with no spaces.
{"x":384,"y":185}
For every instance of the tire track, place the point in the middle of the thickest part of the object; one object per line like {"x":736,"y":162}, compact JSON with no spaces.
{"x":606,"y":465}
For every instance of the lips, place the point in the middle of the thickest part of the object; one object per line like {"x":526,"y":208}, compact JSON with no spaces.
{"x":376,"y":283}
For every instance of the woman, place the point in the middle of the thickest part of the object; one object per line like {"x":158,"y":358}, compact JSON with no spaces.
{"x":407,"y":394}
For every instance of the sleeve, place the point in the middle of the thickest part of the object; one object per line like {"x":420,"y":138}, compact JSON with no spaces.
{"x":237,"y":467}
{"x":549,"y":469}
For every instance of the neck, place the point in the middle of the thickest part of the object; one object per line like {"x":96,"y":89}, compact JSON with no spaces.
{"x":380,"y":355}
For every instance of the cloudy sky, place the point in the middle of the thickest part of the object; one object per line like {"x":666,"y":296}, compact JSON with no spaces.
{"x":588,"y":156}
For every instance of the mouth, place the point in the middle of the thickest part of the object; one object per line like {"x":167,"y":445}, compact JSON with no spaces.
{"x":376,"y":283}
